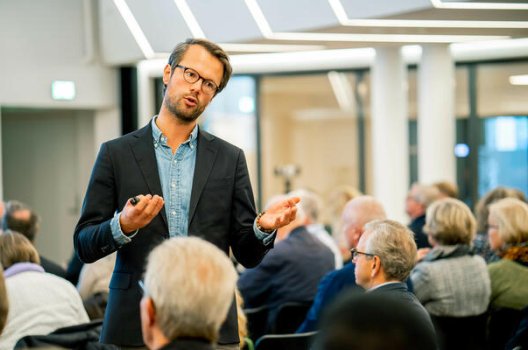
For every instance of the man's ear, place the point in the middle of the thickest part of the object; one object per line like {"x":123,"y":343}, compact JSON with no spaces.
{"x":166,"y":74}
{"x":148,"y":311}
{"x":376,"y":266}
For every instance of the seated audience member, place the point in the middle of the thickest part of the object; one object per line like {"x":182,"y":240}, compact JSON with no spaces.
{"x":481,"y":243}
{"x":508,"y":237}
{"x":39,"y":302}
{"x":184,"y":308}
{"x":418,"y":199}
{"x":373,"y":321}
{"x":356,"y":213}
{"x":312,"y":206}
{"x":384,"y":258}
{"x":4,"y":303}
{"x":20,"y":218}
{"x":450,"y":280}
{"x":290,"y":272}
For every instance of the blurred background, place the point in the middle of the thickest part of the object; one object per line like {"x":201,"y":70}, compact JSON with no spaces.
{"x":326,"y":94}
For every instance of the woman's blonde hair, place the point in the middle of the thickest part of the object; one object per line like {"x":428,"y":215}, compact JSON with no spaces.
{"x":16,"y":248}
{"x":511,"y":215}
{"x":450,"y":221}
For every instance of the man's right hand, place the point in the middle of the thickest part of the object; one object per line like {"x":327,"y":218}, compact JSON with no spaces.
{"x":134,"y":217}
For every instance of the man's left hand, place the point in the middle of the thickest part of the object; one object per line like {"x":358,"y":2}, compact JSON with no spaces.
{"x":280,"y":214}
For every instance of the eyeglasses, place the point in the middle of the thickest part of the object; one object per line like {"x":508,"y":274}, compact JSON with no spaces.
{"x":191,"y":76}
{"x":355,"y":253}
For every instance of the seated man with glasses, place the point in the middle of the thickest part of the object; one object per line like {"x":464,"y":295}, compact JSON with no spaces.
{"x":184,"y":308}
{"x":384,"y":258}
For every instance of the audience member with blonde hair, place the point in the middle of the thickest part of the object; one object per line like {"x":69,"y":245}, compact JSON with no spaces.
{"x":481,"y":243}
{"x":450,"y":280}
{"x":508,"y":236}
{"x":184,"y":308}
{"x":39,"y":302}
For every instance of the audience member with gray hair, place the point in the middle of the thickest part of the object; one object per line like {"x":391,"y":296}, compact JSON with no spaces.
{"x":311,"y":205}
{"x":184,"y":308}
{"x":39,"y":302}
{"x":418,"y":199}
{"x":450,"y":280}
{"x":356,"y":214}
{"x":384,"y":258}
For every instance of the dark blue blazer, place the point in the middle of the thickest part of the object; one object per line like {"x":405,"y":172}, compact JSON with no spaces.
{"x":288,"y":273}
{"x":330,"y":286}
{"x":221,"y":211}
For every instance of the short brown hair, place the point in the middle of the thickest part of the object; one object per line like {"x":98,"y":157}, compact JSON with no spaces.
{"x":16,"y":248}
{"x":215,"y":50}
{"x":450,"y":221}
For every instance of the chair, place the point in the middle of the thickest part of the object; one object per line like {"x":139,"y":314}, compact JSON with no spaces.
{"x":289,"y":317}
{"x":257,"y":321}
{"x":467,"y":333}
{"x":301,"y":341}
{"x":502,"y":326}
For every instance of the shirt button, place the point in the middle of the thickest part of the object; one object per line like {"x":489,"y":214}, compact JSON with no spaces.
{"x":173,"y":213}
{"x":173,"y":185}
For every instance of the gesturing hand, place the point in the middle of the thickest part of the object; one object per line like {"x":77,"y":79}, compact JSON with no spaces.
{"x":279,"y":214}
{"x":136,"y":216}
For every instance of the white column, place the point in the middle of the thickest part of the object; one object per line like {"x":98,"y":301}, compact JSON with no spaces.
{"x":436,"y":115}
{"x":390,"y":141}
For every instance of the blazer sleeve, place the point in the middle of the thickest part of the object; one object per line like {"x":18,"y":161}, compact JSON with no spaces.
{"x":422,"y":282}
{"x":247,"y":248}
{"x":93,"y":236}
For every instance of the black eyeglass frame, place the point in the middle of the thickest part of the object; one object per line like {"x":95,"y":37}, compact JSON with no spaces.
{"x":205,"y":82}
{"x":355,"y":253}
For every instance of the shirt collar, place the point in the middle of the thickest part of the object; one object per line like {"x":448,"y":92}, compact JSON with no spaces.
{"x":22,"y":267}
{"x":160,"y":139}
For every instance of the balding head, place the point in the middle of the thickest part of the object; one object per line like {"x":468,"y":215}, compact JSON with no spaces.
{"x":357,"y":213}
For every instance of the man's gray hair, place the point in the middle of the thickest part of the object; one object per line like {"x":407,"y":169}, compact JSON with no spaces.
{"x":423,"y":194}
{"x":394,"y":244}
{"x":192,"y":285}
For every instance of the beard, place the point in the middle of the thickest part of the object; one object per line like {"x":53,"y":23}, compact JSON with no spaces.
{"x":178,"y":109}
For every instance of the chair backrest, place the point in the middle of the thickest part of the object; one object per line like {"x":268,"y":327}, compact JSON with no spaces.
{"x":502,"y":325}
{"x":257,"y":321}
{"x":301,"y":341}
{"x":467,"y":333}
{"x":289,"y":317}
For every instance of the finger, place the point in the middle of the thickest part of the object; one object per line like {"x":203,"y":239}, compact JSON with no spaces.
{"x":159,"y":204}
{"x":293,"y":201}
{"x":150,"y":208}
{"x":134,"y":200}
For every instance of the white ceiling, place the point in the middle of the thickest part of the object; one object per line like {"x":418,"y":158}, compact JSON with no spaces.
{"x":132,"y":30}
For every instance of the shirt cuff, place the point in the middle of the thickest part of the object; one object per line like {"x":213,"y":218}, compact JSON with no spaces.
{"x":265,"y":238}
{"x":119,"y":237}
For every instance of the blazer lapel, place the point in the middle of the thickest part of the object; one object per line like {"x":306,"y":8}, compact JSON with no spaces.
{"x":145,"y":155}
{"x":205,"y":157}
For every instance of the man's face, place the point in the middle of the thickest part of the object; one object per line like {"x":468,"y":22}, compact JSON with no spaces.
{"x":352,"y":233}
{"x":184,"y":100}
{"x":495,"y":241}
{"x":363,"y":268}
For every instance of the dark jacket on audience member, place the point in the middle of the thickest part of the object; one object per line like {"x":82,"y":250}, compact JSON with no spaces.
{"x":288,"y":273}
{"x":330,"y":286}
{"x":420,"y":236}
{"x":51,"y":267}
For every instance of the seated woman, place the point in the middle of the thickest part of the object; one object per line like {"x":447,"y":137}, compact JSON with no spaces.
{"x":39,"y":302}
{"x":508,"y":237}
{"x":450,"y":280}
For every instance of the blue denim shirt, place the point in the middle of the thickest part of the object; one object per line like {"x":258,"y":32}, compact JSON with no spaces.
{"x":176,"y":173}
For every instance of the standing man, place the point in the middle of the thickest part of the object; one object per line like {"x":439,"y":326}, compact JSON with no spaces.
{"x":172,"y":179}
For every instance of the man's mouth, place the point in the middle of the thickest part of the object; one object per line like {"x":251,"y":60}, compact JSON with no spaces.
{"x":190,"y":101}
